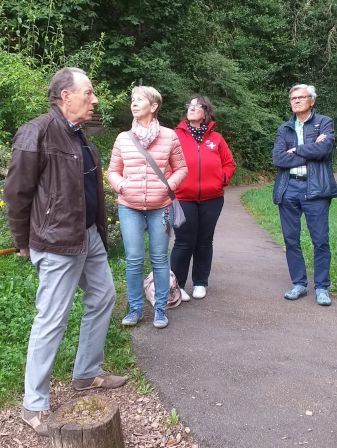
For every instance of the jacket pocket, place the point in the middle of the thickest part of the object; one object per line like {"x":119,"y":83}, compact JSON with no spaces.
{"x":321,"y":182}
{"x":47,"y":214}
{"x":123,"y":186}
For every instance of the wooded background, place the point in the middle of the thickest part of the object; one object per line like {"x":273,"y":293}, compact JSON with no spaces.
{"x":245,"y":55}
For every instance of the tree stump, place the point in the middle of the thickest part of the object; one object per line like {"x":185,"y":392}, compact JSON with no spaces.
{"x":86,"y":422}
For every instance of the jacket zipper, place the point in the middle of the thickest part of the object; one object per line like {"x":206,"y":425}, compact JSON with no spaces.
{"x":199,"y":172}
{"x":47,"y":215}
{"x":77,"y":156}
{"x":296,"y":144}
{"x":84,"y":245}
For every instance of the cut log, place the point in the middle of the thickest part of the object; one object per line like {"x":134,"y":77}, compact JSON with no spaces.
{"x":87,"y":422}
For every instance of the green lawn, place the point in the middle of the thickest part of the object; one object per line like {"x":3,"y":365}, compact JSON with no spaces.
{"x":258,"y":201}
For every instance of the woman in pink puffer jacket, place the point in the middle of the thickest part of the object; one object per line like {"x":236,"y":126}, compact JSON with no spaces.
{"x":143,"y":200}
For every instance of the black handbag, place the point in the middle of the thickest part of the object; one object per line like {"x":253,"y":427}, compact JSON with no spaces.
{"x":178,"y":213}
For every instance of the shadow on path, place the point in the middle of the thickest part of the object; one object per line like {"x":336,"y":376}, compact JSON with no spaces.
{"x":244,"y":367}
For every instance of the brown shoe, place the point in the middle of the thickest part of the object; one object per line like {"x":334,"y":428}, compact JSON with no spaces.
{"x":105,"y":381}
{"x":36,"y":420}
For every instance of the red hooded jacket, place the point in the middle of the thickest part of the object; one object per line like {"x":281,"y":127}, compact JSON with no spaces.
{"x":210,"y":164}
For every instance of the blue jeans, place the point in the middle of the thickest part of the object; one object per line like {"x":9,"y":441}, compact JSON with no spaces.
{"x":133,"y":224}
{"x":316,"y":212}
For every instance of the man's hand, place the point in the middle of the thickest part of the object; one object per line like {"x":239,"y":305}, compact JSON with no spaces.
{"x":320,"y":138}
{"x":23,"y":252}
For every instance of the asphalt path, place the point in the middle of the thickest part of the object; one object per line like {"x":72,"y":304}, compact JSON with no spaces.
{"x":244,"y":367}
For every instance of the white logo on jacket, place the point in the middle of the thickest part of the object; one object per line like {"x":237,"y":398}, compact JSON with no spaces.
{"x":210,"y":144}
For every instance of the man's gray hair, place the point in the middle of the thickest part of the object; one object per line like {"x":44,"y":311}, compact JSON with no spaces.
{"x":63,"y":79}
{"x":310,"y":89}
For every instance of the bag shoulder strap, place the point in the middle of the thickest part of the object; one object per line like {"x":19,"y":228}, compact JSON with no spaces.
{"x":153,"y":164}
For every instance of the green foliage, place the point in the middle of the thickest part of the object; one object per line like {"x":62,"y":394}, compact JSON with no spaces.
{"x":137,"y":377}
{"x":104,"y":141}
{"x":242,"y":176}
{"x":29,"y":26}
{"x":89,"y":56}
{"x":114,"y":234}
{"x":173,"y":418}
{"x":245,"y":124}
{"x":5,"y":235}
{"x":22,"y":90}
{"x":17,"y":290}
{"x":153,"y":66}
{"x":108,"y":102}
{"x":4,"y":153}
{"x":243,"y":55}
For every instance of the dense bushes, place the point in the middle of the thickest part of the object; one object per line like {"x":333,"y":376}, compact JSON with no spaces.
{"x":244,"y":55}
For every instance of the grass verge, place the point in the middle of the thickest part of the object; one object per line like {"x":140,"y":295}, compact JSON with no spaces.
{"x":258,"y":202}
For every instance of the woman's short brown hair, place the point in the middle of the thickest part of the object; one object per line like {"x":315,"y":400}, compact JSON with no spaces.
{"x":151,"y":94}
{"x":206,"y":104}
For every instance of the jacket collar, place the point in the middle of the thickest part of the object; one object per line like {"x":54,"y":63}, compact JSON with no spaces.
{"x":182,"y":125}
{"x":55,"y":111}
{"x":291,"y":121}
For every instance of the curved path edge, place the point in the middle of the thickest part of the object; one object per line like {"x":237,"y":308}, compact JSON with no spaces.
{"x":245,"y":368}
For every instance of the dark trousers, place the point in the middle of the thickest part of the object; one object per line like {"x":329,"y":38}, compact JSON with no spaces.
{"x":316,"y":212}
{"x":195,"y":237}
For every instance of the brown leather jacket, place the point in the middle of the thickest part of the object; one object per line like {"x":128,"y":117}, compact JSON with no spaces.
{"x":44,"y":188}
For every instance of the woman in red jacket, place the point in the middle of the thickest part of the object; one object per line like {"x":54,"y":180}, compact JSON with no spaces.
{"x":210,"y":166}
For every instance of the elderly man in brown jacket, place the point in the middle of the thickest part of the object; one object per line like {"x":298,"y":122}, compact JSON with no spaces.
{"x":54,"y":194}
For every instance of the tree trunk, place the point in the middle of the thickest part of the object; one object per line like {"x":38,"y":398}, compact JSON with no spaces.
{"x":87,"y":422}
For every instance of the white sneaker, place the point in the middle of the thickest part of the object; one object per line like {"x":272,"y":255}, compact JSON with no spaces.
{"x":184,"y":296}
{"x":199,"y":292}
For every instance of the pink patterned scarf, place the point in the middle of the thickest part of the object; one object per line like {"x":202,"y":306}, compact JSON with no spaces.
{"x":146,"y":135}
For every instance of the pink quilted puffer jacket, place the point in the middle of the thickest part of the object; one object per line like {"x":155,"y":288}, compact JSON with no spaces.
{"x":137,"y":185}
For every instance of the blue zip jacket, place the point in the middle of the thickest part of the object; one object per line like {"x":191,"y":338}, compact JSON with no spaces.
{"x":317,"y":156}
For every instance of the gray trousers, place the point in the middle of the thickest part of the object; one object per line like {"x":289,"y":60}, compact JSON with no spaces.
{"x":59,"y":277}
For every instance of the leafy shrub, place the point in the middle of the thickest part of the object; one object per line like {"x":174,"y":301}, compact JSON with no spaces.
{"x":114,"y":234}
{"x":5,"y":154}
{"x":104,"y":141}
{"x":23,"y":90}
{"x":5,"y":235}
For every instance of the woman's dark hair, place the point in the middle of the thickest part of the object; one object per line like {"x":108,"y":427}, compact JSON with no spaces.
{"x":206,"y":104}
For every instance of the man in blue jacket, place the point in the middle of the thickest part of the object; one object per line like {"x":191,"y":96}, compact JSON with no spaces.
{"x":305,"y":183}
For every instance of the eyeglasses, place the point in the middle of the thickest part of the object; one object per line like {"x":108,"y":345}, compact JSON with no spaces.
{"x":194,"y":106}
{"x":299,"y":98}
{"x":94,"y":168}
{"x":91,"y":170}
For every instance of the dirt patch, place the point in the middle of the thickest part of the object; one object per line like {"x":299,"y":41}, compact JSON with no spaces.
{"x":145,"y":422}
